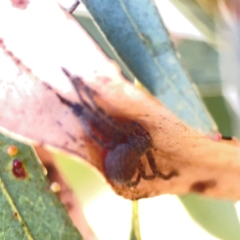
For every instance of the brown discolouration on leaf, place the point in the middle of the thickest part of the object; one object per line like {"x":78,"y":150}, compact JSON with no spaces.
{"x":36,"y":110}
{"x":16,"y":60}
{"x":202,"y":186}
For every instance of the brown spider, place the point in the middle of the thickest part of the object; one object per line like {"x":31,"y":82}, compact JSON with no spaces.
{"x":125,"y":141}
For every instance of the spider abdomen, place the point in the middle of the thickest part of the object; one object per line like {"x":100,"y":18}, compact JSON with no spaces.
{"x":121,"y":163}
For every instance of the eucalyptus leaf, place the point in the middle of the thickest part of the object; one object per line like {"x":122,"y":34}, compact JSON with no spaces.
{"x":217,"y":217}
{"x":98,"y":36}
{"x":29,"y":209}
{"x":137,"y":33}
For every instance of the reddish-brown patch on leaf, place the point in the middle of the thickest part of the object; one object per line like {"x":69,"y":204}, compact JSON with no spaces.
{"x":233,"y":141}
{"x":202,"y":186}
{"x":18,"y":169}
{"x":15,"y":214}
{"x":15,"y":59}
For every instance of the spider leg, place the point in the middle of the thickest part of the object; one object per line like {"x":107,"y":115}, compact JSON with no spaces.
{"x":153,"y":167}
{"x":78,"y":83}
{"x":134,"y":183}
{"x":125,"y":128}
{"x":87,"y":115}
{"x":99,"y":110}
{"x":143,"y":173}
{"x":64,"y":100}
{"x":90,"y":133}
{"x":79,"y":86}
{"x":77,"y":108}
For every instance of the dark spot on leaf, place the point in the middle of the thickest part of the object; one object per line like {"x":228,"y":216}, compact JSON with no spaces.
{"x":9,"y":53}
{"x":227,"y":138}
{"x":201,"y":186}
{"x":59,"y":123}
{"x":17,"y":61}
{"x":15,"y":214}
{"x":47,"y":86}
{"x":18,"y":169}
{"x":71,"y":136}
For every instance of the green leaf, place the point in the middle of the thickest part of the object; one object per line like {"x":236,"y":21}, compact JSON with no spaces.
{"x":28,"y":208}
{"x":217,"y":217}
{"x":83,"y":180}
{"x":208,"y":76}
{"x":97,"y":35}
{"x":137,"y":33}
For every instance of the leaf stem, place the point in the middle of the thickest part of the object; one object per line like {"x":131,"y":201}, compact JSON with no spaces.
{"x":135,"y":231}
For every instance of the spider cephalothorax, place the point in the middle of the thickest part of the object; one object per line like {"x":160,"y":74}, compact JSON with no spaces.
{"x":125,"y":141}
